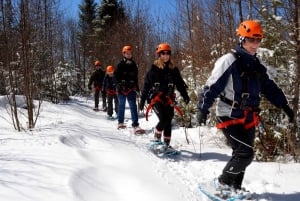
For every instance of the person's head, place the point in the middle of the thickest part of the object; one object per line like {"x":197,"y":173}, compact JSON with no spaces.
{"x":127,"y":52}
{"x":250,"y":35}
{"x":110,"y":70}
{"x":97,"y":64}
{"x":163,"y":51}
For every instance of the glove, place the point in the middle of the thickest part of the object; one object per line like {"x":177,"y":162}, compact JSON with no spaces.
{"x":201,"y":117}
{"x":289,"y":112}
{"x":142,"y":104}
{"x":186,"y":100}
{"x":90,"y":87}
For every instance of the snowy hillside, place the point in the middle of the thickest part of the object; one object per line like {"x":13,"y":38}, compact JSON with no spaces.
{"x":75,"y":154}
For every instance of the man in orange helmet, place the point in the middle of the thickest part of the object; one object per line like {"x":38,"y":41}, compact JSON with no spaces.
{"x":96,"y":80}
{"x":126,"y":77}
{"x":238,"y":80}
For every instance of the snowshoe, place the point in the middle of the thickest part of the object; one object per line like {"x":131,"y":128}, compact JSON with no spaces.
{"x":138,"y":130}
{"x":217,"y":191}
{"x":161,"y":149}
{"x":121,"y":126}
{"x":96,"y":109}
{"x":110,"y":117}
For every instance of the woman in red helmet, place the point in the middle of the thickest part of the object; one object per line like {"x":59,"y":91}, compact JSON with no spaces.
{"x":159,"y":85}
{"x":239,"y":79}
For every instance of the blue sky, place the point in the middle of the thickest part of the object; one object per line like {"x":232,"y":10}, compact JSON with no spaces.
{"x":156,"y":6}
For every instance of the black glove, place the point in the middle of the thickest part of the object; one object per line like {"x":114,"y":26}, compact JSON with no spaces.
{"x":141,"y":106}
{"x":201,"y":117}
{"x":289,"y":112}
{"x":186,"y":99}
{"x":90,"y":87}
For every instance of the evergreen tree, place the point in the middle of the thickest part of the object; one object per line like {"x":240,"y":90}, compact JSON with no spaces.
{"x":109,"y":21}
{"x":87,"y":16}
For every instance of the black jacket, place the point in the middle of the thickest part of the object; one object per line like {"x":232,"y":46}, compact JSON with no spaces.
{"x":108,"y":84}
{"x":96,"y":78}
{"x":126,"y":75}
{"x":163,"y":81}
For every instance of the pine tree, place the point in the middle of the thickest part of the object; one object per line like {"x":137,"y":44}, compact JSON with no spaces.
{"x":87,"y":16}
{"x":109,"y":22}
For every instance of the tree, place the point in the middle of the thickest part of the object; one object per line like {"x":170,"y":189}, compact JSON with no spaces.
{"x":86,"y":34}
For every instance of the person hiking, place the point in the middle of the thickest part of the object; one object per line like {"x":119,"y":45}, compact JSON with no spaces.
{"x":109,"y":87}
{"x":238,"y":80}
{"x":126,"y":78}
{"x":160,"y":83}
{"x":96,"y":80}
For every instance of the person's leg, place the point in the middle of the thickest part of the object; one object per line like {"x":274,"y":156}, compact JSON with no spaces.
{"x":116,"y":103}
{"x":109,"y":105}
{"x":121,"y":107}
{"x":168,"y":124}
{"x":103,"y":100}
{"x":241,"y":141}
{"x":158,"y":108}
{"x":131,"y":98}
{"x":96,"y":97}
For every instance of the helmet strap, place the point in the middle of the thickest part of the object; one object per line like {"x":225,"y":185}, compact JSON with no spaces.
{"x":241,"y":40}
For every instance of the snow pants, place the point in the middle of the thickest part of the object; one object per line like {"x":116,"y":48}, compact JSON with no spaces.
{"x":165,"y":114}
{"x":241,"y":141}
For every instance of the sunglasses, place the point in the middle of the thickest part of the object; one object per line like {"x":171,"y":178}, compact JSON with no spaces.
{"x":253,"y":40}
{"x":165,"y":53}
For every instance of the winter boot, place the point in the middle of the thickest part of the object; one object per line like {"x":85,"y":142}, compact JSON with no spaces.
{"x":237,"y":184}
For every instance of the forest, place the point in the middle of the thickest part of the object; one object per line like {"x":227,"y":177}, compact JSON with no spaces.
{"x":48,"y":56}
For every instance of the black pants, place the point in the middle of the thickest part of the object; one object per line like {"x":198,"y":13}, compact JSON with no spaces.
{"x":241,"y":141}
{"x":97,"y":95}
{"x":165,"y":114}
{"x":112,"y":99}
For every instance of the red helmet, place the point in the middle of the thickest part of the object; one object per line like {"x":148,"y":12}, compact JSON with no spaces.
{"x":163,"y":47}
{"x":97,"y":63}
{"x":250,"y":28}
{"x":110,"y":69}
{"x":126,"y":48}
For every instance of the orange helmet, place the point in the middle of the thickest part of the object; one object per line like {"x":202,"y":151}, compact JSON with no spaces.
{"x":110,"y":69}
{"x":97,"y":63}
{"x":250,"y":28}
{"x":126,"y":48}
{"x":163,"y":47}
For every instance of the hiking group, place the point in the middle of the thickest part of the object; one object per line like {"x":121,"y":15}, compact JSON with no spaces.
{"x":237,"y":82}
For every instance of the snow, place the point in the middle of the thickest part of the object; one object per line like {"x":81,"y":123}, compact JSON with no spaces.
{"x":75,"y":154}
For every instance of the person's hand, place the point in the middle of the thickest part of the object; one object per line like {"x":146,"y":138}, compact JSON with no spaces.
{"x":201,"y":117}
{"x":90,"y":87}
{"x":289,"y":112}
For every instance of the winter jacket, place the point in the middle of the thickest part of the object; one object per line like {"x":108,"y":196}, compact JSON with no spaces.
{"x":233,"y":75}
{"x":108,"y":85}
{"x":163,"y":81}
{"x":126,"y":76}
{"x":96,"y":79}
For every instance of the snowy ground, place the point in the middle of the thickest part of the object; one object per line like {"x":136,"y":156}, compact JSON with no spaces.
{"x":75,"y":154}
